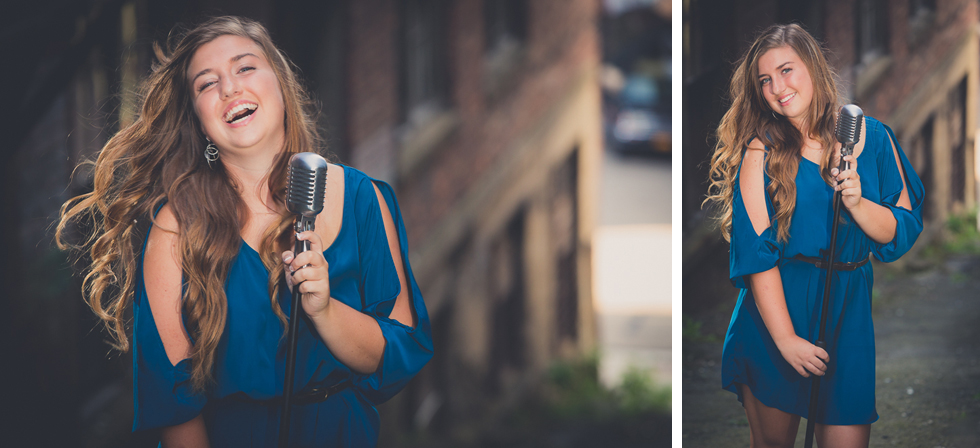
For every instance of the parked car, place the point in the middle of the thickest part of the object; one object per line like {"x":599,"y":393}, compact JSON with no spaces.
{"x":641,"y":123}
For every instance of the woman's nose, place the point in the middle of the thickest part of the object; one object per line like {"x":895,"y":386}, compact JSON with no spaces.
{"x":230,"y":87}
{"x":776,"y":85}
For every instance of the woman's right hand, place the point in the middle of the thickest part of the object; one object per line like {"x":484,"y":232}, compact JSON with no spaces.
{"x":805,"y":357}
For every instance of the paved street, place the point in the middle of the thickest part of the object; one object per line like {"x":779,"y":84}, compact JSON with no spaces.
{"x":927,"y":359}
{"x":632,"y":267}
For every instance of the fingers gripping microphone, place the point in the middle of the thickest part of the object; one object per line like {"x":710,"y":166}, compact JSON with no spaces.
{"x":306,"y":186}
{"x":848,"y":132}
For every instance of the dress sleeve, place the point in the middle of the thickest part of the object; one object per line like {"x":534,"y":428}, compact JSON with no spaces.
{"x":407,"y":349}
{"x":751,"y":253}
{"x":908,"y":222}
{"x":162,"y":392}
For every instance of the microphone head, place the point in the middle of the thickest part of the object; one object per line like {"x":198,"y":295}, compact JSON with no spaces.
{"x":306,"y":184}
{"x":849,"y":120}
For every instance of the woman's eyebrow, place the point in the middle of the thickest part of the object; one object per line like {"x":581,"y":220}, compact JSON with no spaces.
{"x":777,"y":68}
{"x":236,"y":58}
{"x":208,"y":70}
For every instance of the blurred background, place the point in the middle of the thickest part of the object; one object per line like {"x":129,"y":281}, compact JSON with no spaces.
{"x":913,"y":65}
{"x":528,"y":142}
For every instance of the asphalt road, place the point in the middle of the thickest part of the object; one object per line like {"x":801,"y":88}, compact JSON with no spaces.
{"x":631,"y":265}
{"x":927,"y":324}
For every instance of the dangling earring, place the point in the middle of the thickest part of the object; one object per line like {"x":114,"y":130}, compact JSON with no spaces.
{"x":774,"y":117}
{"x":210,"y":152}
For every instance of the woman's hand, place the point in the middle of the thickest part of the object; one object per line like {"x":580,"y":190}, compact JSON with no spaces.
{"x":805,"y":357}
{"x":309,"y":270}
{"x":848,"y":183}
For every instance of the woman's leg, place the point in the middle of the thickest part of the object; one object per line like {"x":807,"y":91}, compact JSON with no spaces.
{"x":768,"y":427}
{"x":850,"y":436}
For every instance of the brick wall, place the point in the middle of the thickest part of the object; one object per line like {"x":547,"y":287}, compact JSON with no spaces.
{"x":561,"y":40}
{"x":911,"y":62}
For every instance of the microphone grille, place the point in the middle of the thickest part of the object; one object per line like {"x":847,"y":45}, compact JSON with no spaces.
{"x":306,"y":184}
{"x":849,"y":121}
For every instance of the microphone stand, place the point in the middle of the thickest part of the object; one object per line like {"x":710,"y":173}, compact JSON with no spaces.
{"x":846,"y":150}
{"x":303,"y":224}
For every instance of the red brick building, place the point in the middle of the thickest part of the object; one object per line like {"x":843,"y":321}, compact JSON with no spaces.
{"x":484,"y":116}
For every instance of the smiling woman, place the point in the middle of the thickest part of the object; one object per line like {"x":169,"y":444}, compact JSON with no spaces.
{"x":205,"y":161}
{"x":231,"y":67}
{"x":773,"y":180}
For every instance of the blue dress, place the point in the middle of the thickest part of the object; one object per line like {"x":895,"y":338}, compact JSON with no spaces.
{"x":250,"y":363}
{"x":750,"y":356}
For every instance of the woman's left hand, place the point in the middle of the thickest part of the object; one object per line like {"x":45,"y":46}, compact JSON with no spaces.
{"x":848,"y":183}
{"x":309,"y":270}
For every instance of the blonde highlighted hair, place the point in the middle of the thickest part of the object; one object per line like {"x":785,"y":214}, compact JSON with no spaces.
{"x":159,"y":158}
{"x":751,"y":117}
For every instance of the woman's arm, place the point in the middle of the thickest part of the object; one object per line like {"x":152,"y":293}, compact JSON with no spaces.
{"x":191,"y":434}
{"x":162,"y":277}
{"x":876,"y":220}
{"x":767,"y":286}
{"x":353,"y":337}
{"x":806,"y":358}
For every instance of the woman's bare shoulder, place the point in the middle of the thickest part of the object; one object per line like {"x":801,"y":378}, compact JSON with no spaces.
{"x":756,"y":144}
{"x":165,"y":220}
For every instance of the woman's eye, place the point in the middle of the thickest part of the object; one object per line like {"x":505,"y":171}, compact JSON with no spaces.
{"x":245,"y":69}
{"x":764,"y":81}
{"x":787,"y":70}
{"x":204,"y":86}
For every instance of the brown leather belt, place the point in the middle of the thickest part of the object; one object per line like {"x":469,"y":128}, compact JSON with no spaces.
{"x":318,"y":394}
{"x":820,"y":263}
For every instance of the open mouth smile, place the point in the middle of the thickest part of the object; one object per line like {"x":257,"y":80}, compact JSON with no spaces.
{"x":239,"y":112}
{"x":786,"y":99}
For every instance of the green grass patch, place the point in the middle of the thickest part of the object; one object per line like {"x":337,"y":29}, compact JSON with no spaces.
{"x":961,"y":237}
{"x":691,"y":331}
{"x":573,"y":390}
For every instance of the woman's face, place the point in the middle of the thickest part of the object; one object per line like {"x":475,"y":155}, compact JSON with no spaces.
{"x":237,"y":96}
{"x":786,"y":84}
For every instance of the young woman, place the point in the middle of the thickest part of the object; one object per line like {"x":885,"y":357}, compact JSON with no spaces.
{"x":209,"y":286}
{"x":773,"y":176}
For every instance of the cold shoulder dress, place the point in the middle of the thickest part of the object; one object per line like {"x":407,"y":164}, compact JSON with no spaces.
{"x":241,"y":409}
{"x":750,"y":357}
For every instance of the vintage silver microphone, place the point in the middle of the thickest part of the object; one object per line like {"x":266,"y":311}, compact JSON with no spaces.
{"x":305,"y":189}
{"x":848,"y":132}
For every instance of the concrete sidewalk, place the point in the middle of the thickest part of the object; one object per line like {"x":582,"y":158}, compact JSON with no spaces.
{"x":632,"y":300}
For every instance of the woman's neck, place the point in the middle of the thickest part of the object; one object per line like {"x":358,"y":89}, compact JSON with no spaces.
{"x":251,"y":175}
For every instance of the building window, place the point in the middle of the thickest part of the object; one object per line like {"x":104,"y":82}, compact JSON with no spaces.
{"x":505,"y":31}
{"x":872,"y":61}
{"x":919,"y":7}
{"x":506,"y":22}
{"x":872,"y":31}
{"x":423,"y":60}
{"x":922,"y":15}
{"x":564,"y":231}
{"x":508,"y":340}
{"x":921,"y":154}
{"x":957,"y":142}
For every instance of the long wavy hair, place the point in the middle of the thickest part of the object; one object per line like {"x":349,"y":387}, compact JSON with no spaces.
{"x":159,"y":158}
{"x":750,"y":116}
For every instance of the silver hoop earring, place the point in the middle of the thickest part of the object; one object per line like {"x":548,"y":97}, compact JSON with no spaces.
{"x":210,"y":152}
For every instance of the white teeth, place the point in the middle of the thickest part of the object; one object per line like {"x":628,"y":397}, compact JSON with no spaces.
{"x":784,"y":100}
{"x":238,"y":109}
